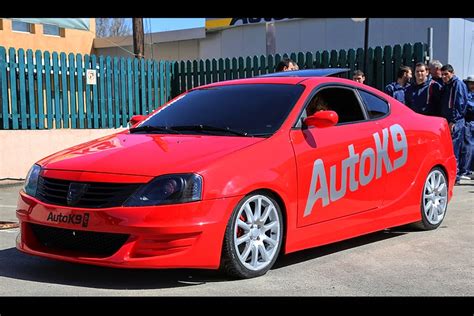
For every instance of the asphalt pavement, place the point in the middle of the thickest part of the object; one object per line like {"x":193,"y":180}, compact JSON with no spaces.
{"x":395,"y":262}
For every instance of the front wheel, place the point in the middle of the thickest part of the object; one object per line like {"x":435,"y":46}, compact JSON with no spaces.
{"x":253,"y":237}
{"x":434,"y":200}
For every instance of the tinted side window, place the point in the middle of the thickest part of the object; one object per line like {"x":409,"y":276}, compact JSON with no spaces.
{"x":343,"y":101}
{"x":376,"y":107}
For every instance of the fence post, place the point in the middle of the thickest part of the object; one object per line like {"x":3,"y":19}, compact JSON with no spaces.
{"x":228,"y":75}
{"x":80,"y":90}
{"x":57,"y":90}
{"x":162,"y":83}
{"x":47,"y":82}
{"x":13,"y":86}
{"x":101,"y":96}
{"x":263,"y":65}
{"x":110,"y":107}
{"x":195,"y":74}
{"x":123,"y":93}
{"x":189,"y":75}
{"x":89,"y":115}
{"x":325,"y":59}
{"x":379,"y":69}
{"x":31,"y":88}
{"x":3,"y":87}
{"x":388,"y":65}
{"x":72,"y":90}
{"x":333,"y":59}
{"x":149,"y":87}
{"x":136,"y":87}
{"x":202,"y":73}
{"x":220,"y":74}
{"x":95,"y":103}
{"x":342,"y":61}
{"x":117,"y":93}
{"x":39,"y":88}
{"x":22,"y":82}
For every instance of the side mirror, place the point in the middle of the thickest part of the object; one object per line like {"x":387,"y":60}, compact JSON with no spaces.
{"x":136,"y":119}
{"x":322,"y":119}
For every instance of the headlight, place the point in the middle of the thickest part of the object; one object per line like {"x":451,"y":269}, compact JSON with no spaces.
{"x":168,"y":189}
{"x":31,"y":182}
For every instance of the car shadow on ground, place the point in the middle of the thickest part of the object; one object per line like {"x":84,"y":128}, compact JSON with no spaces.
{"x":313,"y":253}
{"x":17,"y":265}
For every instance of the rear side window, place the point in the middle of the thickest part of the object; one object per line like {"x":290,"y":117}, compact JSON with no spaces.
{"x":376,"y":107}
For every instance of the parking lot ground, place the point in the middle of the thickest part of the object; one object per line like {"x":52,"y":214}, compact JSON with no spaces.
{"x":395,"y":262}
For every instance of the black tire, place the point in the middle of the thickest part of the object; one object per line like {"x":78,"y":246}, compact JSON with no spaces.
{"x":231,"y":263}
{"x":425,"y":223}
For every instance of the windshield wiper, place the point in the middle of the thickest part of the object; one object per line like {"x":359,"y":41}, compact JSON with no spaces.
{"x":209,"y":128}
{"x":150,"y":129}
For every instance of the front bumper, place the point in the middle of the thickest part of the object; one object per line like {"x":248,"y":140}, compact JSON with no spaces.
{"x":171,"y":236}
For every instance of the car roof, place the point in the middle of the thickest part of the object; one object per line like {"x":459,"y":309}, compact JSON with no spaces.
{"x":285,"y":77}
{"x":322,"y":72}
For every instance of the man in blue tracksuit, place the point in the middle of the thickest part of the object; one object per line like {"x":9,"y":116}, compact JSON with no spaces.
{"x":453,"y":108}
{"x":470,"y":120}
{"x":397,"y":88}
{"x":424,"y":95}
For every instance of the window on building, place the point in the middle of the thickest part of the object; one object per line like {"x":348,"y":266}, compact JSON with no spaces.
{"x":19,"y":26}
{"x":49,"y":29}
{"x":376,"y":107}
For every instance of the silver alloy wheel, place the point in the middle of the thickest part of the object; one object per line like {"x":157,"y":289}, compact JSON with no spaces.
{"x":435,"y":197}
{"x":257,"y":232}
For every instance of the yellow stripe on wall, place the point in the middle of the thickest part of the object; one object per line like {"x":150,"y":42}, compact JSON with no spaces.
{"x":211,"y":24}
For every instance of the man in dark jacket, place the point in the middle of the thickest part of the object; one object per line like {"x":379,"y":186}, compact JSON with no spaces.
{"x":423,"y":96}
{"x":470,"y":120}
{"x":453,"y":108}
{"x":397,"y":88}
{"x":435,"y":71}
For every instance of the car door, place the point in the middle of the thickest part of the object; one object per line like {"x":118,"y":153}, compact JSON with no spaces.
{"x":397,"y":182}
{"x":331,"y":183}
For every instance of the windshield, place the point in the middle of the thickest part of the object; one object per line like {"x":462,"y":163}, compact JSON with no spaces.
{"x":246,"y":110}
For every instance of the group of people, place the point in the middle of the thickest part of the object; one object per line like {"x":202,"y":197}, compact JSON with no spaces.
{"x":435,"y":91}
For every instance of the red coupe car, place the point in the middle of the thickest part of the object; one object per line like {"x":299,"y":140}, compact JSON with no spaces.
{"x":231,"y":174}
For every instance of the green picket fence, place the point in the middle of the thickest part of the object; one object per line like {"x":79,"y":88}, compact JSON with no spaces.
{"x":381,"y":70}
{"x":44,"y":90}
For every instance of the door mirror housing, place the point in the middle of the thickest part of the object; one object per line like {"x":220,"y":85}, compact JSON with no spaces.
{"x":322,"y":119}
{"x":136,"y":119}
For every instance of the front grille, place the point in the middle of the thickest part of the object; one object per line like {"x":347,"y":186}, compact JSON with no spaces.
{"x":83,"y":242}
{"x":97,"y":195}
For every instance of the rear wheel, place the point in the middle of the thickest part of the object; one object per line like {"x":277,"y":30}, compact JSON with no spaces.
{"x":434,"y":200}
{"x":253,"y":237}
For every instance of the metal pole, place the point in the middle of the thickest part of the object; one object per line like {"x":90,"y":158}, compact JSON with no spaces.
{"x":430,"y":44}
{"x":366,"y":47}
{"x":270,"y":38}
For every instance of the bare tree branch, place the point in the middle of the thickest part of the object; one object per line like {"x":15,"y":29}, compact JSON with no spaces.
{"x":107,"y":27}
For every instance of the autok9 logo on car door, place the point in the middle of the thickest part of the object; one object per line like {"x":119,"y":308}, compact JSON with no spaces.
{"x":359,"y":169}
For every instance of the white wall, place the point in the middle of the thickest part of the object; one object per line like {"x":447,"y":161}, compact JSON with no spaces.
{"x":20,"y":149}
{"x":450,"y":35}
{"x":461,"y":50}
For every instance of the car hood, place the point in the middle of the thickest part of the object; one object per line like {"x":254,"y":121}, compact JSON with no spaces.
{"x":146,"y":154}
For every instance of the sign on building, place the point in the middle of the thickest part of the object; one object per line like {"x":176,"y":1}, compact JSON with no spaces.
{"x":213,"y":24}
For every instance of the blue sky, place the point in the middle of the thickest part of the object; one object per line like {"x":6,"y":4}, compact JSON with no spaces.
{"x":170,"y":24}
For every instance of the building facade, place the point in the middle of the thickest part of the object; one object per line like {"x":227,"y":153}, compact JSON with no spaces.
{"x":452,"y":38}
{"x":19,"y":34}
